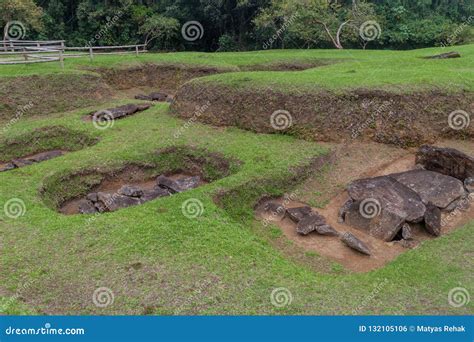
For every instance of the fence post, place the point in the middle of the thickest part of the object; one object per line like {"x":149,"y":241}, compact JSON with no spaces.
{"x":25,"y":55}
{"x":61,"y":59}
{"x":91,"y":53}
{"x":136,"y":50}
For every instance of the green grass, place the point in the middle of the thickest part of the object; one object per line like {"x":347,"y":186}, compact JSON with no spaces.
{"x":156,"y":260}
{"x":393,"y":70}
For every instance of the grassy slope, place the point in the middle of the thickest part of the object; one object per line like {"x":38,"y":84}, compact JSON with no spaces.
{"x":209,"y":265}
{"x":395,"y":70}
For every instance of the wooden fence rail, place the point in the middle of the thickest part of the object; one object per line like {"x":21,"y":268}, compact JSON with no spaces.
{"x":31,"y":51}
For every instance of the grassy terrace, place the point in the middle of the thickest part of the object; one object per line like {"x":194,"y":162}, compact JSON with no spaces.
{"x":394,"y":70}
{"x":157,"y":261}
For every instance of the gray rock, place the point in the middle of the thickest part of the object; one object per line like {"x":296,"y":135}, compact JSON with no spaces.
{"x":344,"y":209}
{"x":407,"y":233}
{"x":390,"y":194}
{"x":452,"y":54}
{"x":447,"y":161}
{"x":116,"y":201}
{"x":469,"y":184}
{"x":46,"y":155}
{"x":130,"y":190}
{"x":21,"y":162}
{"x":154,"y":96}
{"x":151,"y":194}
{"x":87,"y":207}
{"x":7,"y":167}
{"x":462,"y":203}
{"x":188,"y":183}
{"x":310,"y":223}
{"x":354,"y":219}
{"x":386,"y":225}
{"x":168,"y":183}
{"x":298,"y":213}
{"x":119,"y":112}
{"x":326,"y":229}
{"x":432,"y":187}
{"x":433,"y":219}
{"x":92,"y":197}
{"x":354,"y":243}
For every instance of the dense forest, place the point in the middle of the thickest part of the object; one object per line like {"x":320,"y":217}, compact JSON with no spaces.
{"x":237,"y":25}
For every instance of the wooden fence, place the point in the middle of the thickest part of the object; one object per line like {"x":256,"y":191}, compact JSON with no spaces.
{"x":31,"y":51}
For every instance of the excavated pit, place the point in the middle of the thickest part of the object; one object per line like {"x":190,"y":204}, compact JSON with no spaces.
{"x":105,"y":189}
{"x":273,"y":211}
{"x":40,"y":145}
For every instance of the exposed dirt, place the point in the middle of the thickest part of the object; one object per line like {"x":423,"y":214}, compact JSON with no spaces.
{"x":165,"y":78}
{"x":348,"y":166}
{"x":40,"y":95}
{"x":399,"y":119}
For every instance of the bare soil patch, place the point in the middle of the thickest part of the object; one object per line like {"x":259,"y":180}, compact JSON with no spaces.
{"x":368,"y":115}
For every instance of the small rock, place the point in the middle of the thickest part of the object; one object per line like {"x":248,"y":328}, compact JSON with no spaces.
{"x":130,"y":190}
{"x":407,"y":243}
{"x":167,"y":183}
{"x":92,"y":197}
{"x":151,"y":194}
{"x":7,"y":166}
{"x":188,"y":183}
{"x":354,"y":243}
{"x":469,"y":184}
{"x":433,"y":219}
{"x":310,"y":223}
{"x":406,"y":232}
{"x":343,"y":210}
{"x":157,"y":96}
{"x":297,"y":214}
{"x":87,"y":207}
{"x":326,"y":229}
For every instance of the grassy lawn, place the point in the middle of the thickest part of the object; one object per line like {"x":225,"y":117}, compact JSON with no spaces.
{"x":394,"y":70}
{"x":155,"y":260}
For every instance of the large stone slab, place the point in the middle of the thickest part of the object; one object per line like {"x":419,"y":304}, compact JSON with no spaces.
{"x":433,"y":219}
{"x":448,"y":161}
{"x":115,"y":201}
{"x":432,"y":187}
{"x":310,"y":223}
{"x":385,"y":225}
{"x":388,"y":194}
{"x":119,"y":112}
{"x":298,"y":213}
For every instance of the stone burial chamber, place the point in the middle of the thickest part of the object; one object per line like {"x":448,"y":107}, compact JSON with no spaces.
{"x":154,"y":96}
{"x":25,"y":161}
{"x":386,"y":206}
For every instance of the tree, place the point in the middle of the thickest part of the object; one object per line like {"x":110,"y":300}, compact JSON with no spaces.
{"x":159,"y":27}
{"x":17,"y":15}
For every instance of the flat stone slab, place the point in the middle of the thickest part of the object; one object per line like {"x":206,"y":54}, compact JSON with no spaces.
{"x":447,"y":161}
{"x":433,"y":220}
{"x":119,"y":112}
{"x":389,"y":194}
{"x":7,"y":167}
{"x":276,"y":210}
{"x":298,"y":213}
{"x":432,"y":187}
{"x":154,"y":96}
{"x":46,"y":156}
{"x":115,"y":201}
{"x":130,"y":190}
{"x":310,"y":223}
{"x":354,"y":243}
{"x":451,"y":54}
